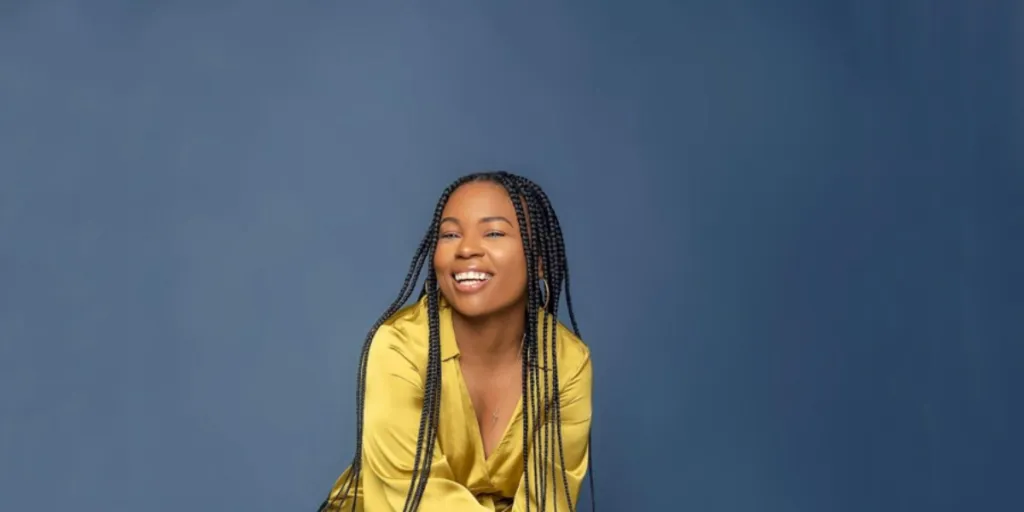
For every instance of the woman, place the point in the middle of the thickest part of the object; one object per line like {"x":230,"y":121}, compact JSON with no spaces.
{"x":439,"y":427}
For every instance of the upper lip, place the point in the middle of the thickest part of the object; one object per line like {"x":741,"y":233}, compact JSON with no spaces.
{"x":472,"y":269}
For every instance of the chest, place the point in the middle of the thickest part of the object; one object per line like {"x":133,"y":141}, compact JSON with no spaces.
{"x":494,"y":394}
{"x":489,"y":387}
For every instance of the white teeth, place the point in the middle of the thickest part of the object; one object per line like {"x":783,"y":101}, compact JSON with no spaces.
{"x":472,"y":276}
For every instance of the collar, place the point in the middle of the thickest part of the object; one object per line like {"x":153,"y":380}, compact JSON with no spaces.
{"x":449,"y":348}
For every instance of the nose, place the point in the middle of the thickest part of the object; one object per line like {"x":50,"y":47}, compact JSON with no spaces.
{"x":469,"y":247}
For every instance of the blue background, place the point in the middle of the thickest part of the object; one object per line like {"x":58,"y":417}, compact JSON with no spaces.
{"x":795,"y":232}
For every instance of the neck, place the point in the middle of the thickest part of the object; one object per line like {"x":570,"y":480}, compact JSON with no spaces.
{"x":491,"y":341}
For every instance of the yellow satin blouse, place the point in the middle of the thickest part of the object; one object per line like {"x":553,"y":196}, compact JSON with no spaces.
{"x":461,"y":478}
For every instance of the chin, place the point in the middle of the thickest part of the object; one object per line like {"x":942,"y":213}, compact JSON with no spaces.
{"x":479,"y":307}
{"x":471,"y":310}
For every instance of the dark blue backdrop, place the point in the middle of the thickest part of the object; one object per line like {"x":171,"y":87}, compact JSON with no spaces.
{"x":794,"y":229}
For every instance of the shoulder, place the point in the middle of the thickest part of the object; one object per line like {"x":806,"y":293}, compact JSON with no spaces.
{"x":573,"y":353}
{"x":401,"y":339}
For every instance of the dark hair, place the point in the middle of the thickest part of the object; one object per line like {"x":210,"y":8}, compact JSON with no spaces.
{"x":544,"y":244}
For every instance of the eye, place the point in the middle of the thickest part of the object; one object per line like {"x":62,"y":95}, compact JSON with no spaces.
{"x":448,"y":236}
{"x":494,"y":234}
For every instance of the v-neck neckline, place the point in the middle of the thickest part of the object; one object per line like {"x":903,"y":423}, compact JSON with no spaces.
{"x":449,"y":347}
{"x":478,"y":435}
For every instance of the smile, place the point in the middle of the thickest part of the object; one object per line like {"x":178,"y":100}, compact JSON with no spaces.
{"x":471,"y":281}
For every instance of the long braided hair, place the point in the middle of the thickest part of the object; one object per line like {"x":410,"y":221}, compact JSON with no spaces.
{"x":540,"y":395}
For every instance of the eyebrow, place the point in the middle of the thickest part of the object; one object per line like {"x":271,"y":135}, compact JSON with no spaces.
{"x":494,"y":218}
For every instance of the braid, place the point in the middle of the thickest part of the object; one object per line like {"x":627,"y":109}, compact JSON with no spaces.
{"x":423,"y":254}
{"x":529,"y":366}
{"x":559,"y":271}
{"x":431,"y":400}
{"x":544,"y":248}
{"x":563,"y":265}
{"x":410,"y":279}
{"x":544,"y":403}
{"x":432,"y":387}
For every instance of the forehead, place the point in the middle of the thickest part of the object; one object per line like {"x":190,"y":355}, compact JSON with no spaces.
{"x":480,"y":199}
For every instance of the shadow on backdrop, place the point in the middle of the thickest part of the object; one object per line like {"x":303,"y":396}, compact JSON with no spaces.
{"x":805,"y":216}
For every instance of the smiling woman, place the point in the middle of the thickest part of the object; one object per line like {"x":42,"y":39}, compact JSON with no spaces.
{"x":439,"y":426}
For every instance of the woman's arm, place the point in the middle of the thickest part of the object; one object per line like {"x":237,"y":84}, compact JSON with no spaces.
{"x":394,"y":404}
{"x":576,"y":410}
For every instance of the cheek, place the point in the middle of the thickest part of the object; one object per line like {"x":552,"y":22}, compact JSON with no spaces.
{"x":439,"y":264}
{"x":515,"y":270}
{"x":518,"y":283}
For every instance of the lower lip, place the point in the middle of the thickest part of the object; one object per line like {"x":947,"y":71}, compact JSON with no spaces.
{"x":471,"y":286}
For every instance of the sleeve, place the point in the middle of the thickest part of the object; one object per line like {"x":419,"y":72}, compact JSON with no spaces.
{"x":394,"y":403}
{"x":576,"y":412}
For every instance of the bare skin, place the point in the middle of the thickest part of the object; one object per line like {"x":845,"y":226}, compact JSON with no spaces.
{"x":479,"y":235}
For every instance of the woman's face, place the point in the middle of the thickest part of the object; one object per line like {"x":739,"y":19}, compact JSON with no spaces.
{"x":481,"y":269}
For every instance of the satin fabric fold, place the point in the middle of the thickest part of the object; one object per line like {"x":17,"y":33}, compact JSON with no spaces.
{"x":461,"y":478}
